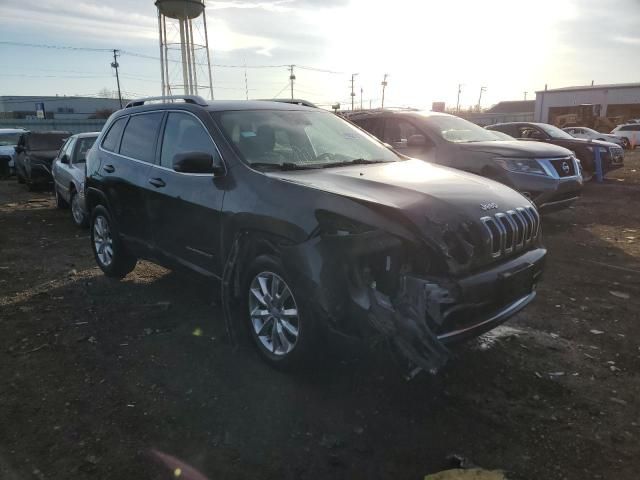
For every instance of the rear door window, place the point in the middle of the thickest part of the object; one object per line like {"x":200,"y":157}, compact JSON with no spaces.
{"x":111,"y":140}
{"x":184,"y":133}
{"x":140,"y":134}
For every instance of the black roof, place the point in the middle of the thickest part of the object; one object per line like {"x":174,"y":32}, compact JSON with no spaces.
{"x":224,"y":105}
{"x":394,"y":111}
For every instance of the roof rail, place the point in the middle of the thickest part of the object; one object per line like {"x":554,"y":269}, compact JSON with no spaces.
{"x":194,"y":99}
{"x":293,"y":101}
{"x":379,"y":110}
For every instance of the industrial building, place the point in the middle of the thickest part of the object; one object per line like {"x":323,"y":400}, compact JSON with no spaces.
{"x":616,"y":102}
{"x":56,"y":107}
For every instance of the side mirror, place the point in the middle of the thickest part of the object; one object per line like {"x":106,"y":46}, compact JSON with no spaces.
{"x":196,"y":162}
{"x":417,"y":141}
{"x":64,"y":159}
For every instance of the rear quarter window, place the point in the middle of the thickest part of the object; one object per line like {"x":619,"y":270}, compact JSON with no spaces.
{"x":140,"y":135}
{"x":111,"y":140}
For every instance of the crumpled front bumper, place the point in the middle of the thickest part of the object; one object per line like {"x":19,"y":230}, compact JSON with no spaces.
{"x":425,"y":313}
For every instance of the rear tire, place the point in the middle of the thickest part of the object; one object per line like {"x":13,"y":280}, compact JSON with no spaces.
{"x":60,"y":203}
{"x":284,"y":331}
{"x":108,"y":249}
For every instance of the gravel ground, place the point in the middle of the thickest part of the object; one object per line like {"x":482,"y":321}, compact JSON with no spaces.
{"x":96,"y":374}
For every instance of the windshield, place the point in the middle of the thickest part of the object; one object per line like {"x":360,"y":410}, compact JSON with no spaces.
{"x":458,"y":130}
{"x":554,"y":132}
{"x":501,"y":135}
{"x":9,"y":139}
{"x":82,"y":147}
{"x":47,"y":141}
{"x":299,"y":139}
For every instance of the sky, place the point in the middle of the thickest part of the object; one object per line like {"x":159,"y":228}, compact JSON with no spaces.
{"x":426,"y":47}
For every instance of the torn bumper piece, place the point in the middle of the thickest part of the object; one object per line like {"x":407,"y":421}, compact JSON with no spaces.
{"x":422,"y":315}
{"x":427,"y":315}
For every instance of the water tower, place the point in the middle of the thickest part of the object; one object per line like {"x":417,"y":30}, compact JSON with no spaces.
{"x":185,"y":64}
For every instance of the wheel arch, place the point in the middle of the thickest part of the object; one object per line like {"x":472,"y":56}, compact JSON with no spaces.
{"x":95,"y":197}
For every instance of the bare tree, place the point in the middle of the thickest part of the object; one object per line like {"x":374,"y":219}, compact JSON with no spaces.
{"x":105,"y":93}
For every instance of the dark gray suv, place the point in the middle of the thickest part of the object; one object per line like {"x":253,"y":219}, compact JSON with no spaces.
{"x":314,"y":226}
{"x":547,"y":174}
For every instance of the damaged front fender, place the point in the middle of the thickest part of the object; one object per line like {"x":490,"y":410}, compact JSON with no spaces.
{"x":341,"y":283}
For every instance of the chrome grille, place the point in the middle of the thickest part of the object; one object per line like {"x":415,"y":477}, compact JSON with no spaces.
{"x":512,"y":230}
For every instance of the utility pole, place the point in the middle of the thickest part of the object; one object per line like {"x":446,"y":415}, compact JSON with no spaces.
{"x":384,"y":85}
{"x":292,"y":77}
{"x":115,"y":65}
{"x":482,"y":90}
{"x":353,"y":93}
{"x":361,"y":98}
{"x":458,"y":101}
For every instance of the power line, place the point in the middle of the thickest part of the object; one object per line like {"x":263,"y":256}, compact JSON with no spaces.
{"x":56,"y":47}
{"x":282,"y":90}
{"x":151,"y":57}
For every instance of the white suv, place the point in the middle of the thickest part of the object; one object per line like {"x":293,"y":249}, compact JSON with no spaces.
{"x":591,"y":134}
{"x":628,"y":133}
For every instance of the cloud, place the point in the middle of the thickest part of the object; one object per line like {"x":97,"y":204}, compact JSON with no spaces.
{"x":627,"y":40}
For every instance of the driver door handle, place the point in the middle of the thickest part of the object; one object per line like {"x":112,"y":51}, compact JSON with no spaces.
{"x":157,"y":182}
{"x":109,"y":168}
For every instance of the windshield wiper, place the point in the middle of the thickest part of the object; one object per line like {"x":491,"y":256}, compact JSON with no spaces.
{"x":282,"y":166}
{"x":357,"y":161}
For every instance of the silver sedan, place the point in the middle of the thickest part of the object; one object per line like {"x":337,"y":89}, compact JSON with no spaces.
{"x":69,"y":173}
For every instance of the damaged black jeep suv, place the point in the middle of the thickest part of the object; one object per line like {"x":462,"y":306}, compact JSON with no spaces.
{"x":310,"y":225}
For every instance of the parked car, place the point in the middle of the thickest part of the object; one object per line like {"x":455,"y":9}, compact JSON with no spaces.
{"x":591,"y":134}
{"x":547,"y":174}
{"x":8,"y":140}
{"x":35,"y":153}
{"x":629,"y":134}
{"x":312,"y":224}
{"x":69,"y":173}
{"x":612,"y":155}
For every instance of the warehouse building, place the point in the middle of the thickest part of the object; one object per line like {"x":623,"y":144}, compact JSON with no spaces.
{"x":56,"y":107}
{"x":617,"y":102}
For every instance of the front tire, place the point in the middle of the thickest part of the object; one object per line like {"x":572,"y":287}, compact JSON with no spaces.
{"x":283,"y":330}
{"x":108,"y":249}
{"x":78,"y":215}
{"x":625,"y":143}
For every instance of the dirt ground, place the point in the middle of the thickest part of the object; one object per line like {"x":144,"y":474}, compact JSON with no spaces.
{"x":96,"y":373}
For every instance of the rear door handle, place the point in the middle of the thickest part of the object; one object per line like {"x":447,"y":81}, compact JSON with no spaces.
{"x":157,"y":182}
{"x":109,"y":168}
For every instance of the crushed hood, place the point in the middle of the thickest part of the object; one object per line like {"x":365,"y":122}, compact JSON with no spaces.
{"x":441,"y":203}
{"x":43,"y":155}
{"x":517,"y":148}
